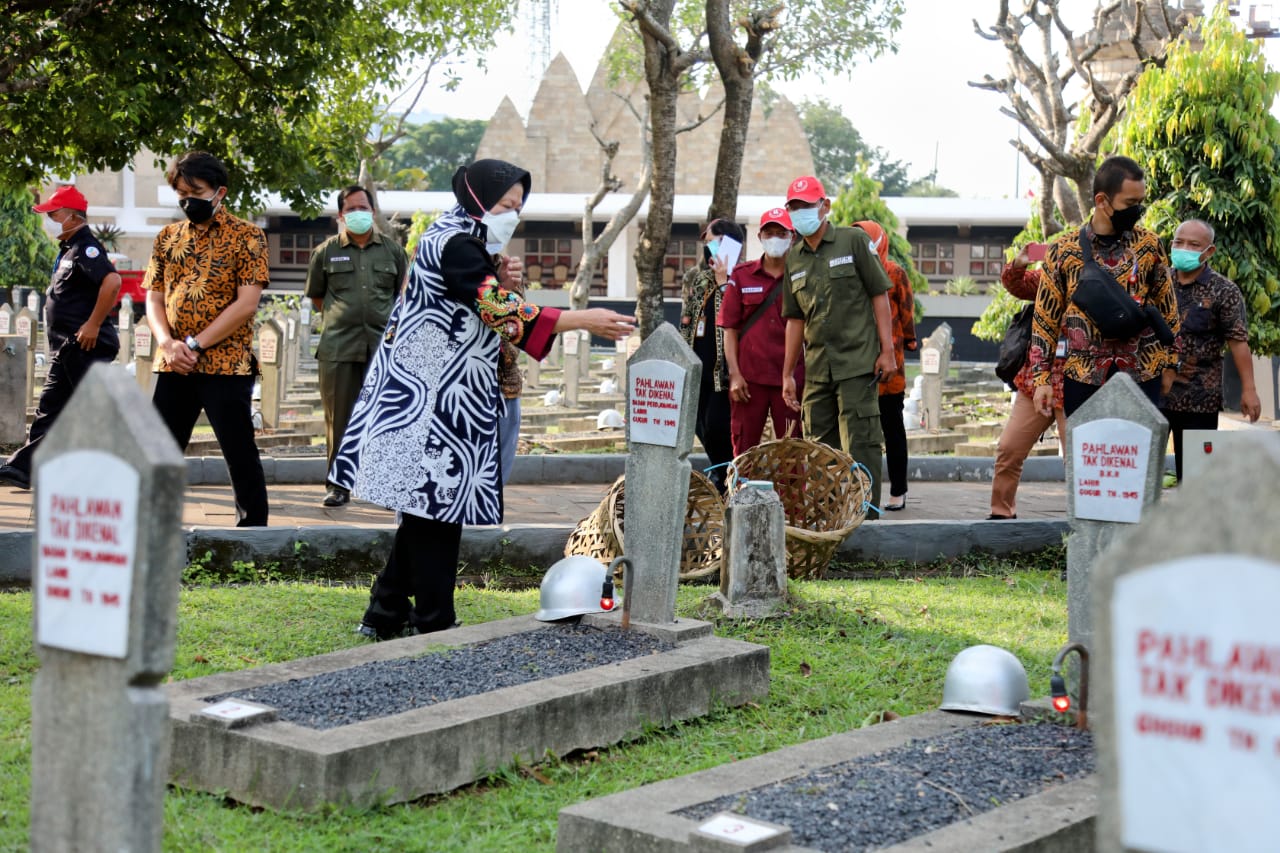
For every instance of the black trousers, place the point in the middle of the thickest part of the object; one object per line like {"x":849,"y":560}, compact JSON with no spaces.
{"x":895,"y":442}
{"x":713,"y":426}
{"x":1075,"y":393}
{"x":1179,"y":421}
{"x":67,"y":367}
{"x":423,"y":564}
{"x":226,"y":400}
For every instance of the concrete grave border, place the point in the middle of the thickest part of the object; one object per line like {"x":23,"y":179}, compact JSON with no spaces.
{"x":643,"y":820}
{"x":441,"y":747}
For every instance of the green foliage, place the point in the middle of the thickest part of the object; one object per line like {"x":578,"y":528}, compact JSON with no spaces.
{"x":108,"y":235}
{"x":428,"y":154}
{"x":1202,"y":128}
{"x":417,"y":227}
{"x":962,"y":286}
{"x":839,"y":150}
{"x":996,"y":317}
{"x":928,"y":187}
{"x":284,"y":94}
{"x":27,"y":254}
{"x":861,"y":201}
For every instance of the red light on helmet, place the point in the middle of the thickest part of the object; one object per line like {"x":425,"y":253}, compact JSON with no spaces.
{"x":606,"y":604}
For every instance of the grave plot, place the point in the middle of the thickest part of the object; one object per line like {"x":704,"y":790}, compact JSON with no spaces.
{"x":377,"y":724}
{"x":935,"y":781}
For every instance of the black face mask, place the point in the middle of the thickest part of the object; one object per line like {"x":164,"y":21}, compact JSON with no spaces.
{"x":198,"y":210}
{"x":1124,"y":220}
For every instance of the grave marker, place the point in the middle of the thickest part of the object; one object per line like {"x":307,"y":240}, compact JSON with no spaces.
{"x":125,"y":326}
{"x":935,"y":361}
{"x":293,"y":350}
{"x":1117,"y":441}
{"x":33,"y":302}
{"x":6,"y":320}
{"x":13,"y":384}
{"x":570,"y":375}
{"x":108,"y":556}
{"x":621,"y":354}
{"x":270,"y":338}
{"x":753,"y":573}
{"x":662,"y":406}
{"x":142,"y":353}
{"x":305,"y":353}
{"x":26,"y":326}
{"x":1187,"y":666}
{"x":533,"y":369}
{"x":584,"y":355}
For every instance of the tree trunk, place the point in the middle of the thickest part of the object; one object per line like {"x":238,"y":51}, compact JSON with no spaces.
{"x":594,"y":250}
{"x":736,"y":70}
{"x":662,"y":75}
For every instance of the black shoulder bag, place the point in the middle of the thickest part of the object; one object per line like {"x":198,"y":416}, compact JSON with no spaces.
{"x":1113,"y":311}
{"x":1016,"y":343}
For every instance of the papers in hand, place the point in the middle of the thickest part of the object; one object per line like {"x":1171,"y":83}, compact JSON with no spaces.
{"x":729,"y":251}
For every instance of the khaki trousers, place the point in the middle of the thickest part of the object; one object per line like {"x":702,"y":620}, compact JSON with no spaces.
{"x":1020,"y":434}
{"x":340,"y":383}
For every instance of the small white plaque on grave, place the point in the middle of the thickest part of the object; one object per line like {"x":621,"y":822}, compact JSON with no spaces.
{"x":930,"y":361}
{"x":268,"y":345}
{"x":656,"y":388}
{"x":22,"y":325}
{"x":291,"y":329}
{"x":230,"y":709}
{"x":1109,"y":466}
{"x":1196,"y":681}
{"x":737,"y":829}
{"x":84,"y":569}
{"x":570,"y":343}
{"x":304,"y":315}
{"x":142,"y":341}
{"x":33,"y":301}
{"x":6,"y":320}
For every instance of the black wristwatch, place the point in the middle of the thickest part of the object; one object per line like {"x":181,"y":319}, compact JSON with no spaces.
{"x":193,"y":344}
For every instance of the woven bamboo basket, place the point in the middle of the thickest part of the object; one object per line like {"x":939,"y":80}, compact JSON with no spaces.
{"x":823,"y":496}
{"x":601,"y":534}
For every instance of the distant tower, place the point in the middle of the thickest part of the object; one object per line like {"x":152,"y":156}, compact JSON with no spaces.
{"x":539,"y":16}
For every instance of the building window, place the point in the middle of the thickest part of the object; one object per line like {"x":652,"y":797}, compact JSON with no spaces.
{"x":682,"y":255}
{"x":295,"y":248}
{"x":934,"y":259}
{"x":549,"y":261}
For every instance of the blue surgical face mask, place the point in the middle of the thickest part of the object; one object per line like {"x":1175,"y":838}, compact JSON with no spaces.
{"x":1185,"y":260}
{"x":713,"y":246}
{"x":806,"y":220}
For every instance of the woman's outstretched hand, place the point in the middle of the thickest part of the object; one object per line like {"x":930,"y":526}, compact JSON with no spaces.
{"x":598,"y":321}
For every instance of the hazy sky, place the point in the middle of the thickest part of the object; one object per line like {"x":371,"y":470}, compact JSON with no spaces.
{"x":916,"y":103}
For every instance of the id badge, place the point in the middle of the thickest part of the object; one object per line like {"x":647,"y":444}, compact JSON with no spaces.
{"x":702,"y":328}
{"x":1061,"y":351}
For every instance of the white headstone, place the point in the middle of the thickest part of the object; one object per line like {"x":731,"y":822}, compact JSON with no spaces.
{"x":6,"y":320}
{"x":108,"y":556}
{"x":33,"y":302}
{"x":935,"y":360}
{"x":654,"y":401}
{"x":142,"y":354}
{"x":1187,"y":666}
{"x":270,"y":337}
{"x":13,"y":385}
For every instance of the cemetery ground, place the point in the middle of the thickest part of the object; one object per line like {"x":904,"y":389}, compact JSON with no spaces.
{"x":846,"y":652}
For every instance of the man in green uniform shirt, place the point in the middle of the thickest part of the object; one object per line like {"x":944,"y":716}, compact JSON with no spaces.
{"x":836,"y":303}
{"x":352,"y":280}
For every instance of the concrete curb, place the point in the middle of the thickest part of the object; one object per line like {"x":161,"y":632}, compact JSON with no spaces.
{"x":341,"y":551}
{"x":607,"y":467}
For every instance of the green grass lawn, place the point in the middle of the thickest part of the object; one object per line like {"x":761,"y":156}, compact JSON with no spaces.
{"x":847,"y":651}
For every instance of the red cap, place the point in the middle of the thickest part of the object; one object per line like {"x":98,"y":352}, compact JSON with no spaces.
{"x":778,"y":215}
{"x":807,"y":189}
{"x":68,"y":197}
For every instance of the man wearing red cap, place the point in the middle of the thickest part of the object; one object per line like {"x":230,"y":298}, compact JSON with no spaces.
{"x":77,"y":321}
{"x":755,"y":337}
{"x":836,"y":303}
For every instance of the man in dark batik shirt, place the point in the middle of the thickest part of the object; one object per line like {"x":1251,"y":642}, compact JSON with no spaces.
{"x":1212,"y":313}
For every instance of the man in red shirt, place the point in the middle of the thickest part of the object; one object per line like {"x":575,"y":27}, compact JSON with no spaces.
{"x":755,"y":337}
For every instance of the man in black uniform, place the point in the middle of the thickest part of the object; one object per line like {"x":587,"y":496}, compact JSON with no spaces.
{"x":77,"y":320}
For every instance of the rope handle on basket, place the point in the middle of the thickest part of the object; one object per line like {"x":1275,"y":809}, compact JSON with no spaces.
{"x":866,"y":501}
{"x":731,"y":471}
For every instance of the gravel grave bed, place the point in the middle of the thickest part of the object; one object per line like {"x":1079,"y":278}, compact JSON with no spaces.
{"x":383,"y":688}
{"x":901,"y":793}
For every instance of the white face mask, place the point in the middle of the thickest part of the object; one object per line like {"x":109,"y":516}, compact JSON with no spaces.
{"x":500,"y":227}
{"x":776,"y":247}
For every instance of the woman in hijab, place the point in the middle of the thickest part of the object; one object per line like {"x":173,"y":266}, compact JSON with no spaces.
{"x":422,"y":439}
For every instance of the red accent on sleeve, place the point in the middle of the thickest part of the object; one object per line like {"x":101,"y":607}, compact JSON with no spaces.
{"x":538,"y":342}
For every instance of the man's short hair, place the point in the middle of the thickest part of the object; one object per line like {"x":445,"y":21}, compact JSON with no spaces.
{"x":1213,"y":235}
{"x":1112,"y":174}
{"x":197,"y":166}
{"x":346,"y":193}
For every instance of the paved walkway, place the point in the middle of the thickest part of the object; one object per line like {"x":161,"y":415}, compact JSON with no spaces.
{"x":299,"y":505}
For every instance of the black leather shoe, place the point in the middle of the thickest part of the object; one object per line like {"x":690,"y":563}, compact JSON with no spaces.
{"x":12,"y":476}
{"x":995,"y":517}
{"x":372,"y":633}
{"x":336,"y":496}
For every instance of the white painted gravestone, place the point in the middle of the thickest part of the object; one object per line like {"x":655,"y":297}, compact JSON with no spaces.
{"x":13,"y":384}
{"x":33,"y":302}
{"x":935,"y":361}
{"x":571,"y":342}
{"x":142,"y":353}
{"x":270,"y":356}
{"x":662,"y":395}
{"x":125,"y":327}
{"x":25,"y":325}
{"x":108,"y":558}
{"x":584,"y":355}
{"x":1117,"y":441}
{"x":1187,"y":667}
{"x":292,"y":351}
{"x":6,"y":320}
